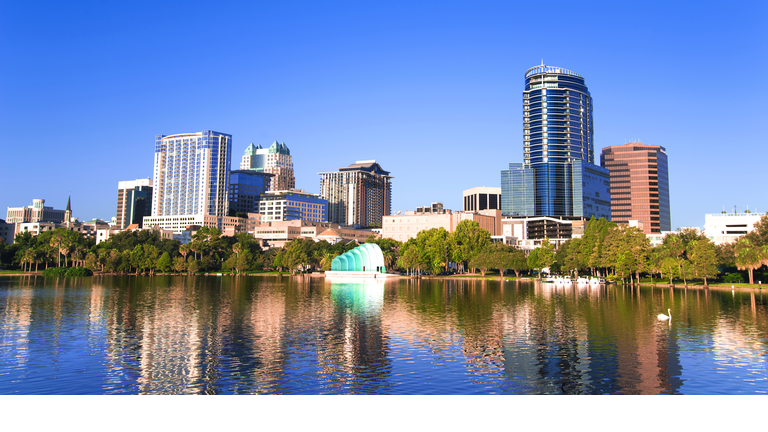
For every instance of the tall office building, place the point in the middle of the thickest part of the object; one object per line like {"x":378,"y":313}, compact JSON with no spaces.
{"x":275,"y":160}
{"x":191,"y":178}
{"x":557,"y":176}
{"x":245,"y":189}
{"x":360,"y":194}
{"x":639,"y":185}
{"x":134,"y":201}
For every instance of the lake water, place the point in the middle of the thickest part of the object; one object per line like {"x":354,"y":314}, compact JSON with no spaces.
{"x":302,"y":335}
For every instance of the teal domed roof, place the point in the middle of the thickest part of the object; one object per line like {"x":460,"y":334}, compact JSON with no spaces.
{"x":366,"y":257}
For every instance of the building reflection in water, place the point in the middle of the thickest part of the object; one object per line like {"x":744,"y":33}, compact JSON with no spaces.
{"x":15,"y":321}
{"x":353,"y":354}
{"x":264,"y":323}
{"x":565,"y":340}
{"x":203,"y":335}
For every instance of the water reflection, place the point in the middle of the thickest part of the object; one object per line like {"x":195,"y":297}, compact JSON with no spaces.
{"x":353,"y":357}
{"x":304,"y":335}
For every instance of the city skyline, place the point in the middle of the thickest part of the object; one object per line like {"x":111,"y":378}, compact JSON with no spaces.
{"x":84,"y":91}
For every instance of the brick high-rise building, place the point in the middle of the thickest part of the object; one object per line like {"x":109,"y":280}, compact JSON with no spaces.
{"x":360,"y":194}
{"x":639,"y":185}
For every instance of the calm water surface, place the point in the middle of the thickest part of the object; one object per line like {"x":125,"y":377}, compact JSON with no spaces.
{"x":270,"y":335}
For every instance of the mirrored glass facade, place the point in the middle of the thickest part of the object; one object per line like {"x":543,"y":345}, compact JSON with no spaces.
{"x":245,"y":189}
{"x":557,"y":176}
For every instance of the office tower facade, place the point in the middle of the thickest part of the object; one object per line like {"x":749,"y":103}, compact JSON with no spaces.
{"x":245,"y":189}
{"x":191,"y":180}
{"x":134,"y":201}
{"x":557,"y":176}
{"x":360,"y":194}
{"x":482,"y":198}
{"x":275,"y":160}
{"x":292,"y":205}
{"x":639,"y":185}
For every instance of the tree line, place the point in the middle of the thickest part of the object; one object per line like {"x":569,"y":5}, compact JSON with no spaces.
{"x":604,"y":250}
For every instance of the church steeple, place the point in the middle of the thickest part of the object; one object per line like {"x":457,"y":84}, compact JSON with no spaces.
{"x":68,"y":211}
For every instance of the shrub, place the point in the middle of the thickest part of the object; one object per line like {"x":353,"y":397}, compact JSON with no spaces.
{"x":79,"y":271}
{"x":733,"y":278}
{"x":55,"y":271}
{"x":67,"y":271}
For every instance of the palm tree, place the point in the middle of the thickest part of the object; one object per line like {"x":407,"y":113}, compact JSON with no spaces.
{"x":27,"y":258}
{"x":184,"y":250}
{"x":59,"y":241}
{"x":327,"y":259}
{"x":749,"y":257}
{"x":237,"y":248}
{"x":39,"y":255}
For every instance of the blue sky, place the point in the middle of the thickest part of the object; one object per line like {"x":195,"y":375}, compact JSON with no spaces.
{"x":431,"y":90}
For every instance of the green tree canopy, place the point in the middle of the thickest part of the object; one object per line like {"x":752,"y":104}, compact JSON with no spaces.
{"x":468,"y":240}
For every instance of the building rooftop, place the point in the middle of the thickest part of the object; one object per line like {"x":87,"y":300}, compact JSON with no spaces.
{"x":367,"y":165}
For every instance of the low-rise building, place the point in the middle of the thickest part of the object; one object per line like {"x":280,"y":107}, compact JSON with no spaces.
{"x":7,"y":232}
{"x":86,"y":229}
{"x":228,"y":225}
{"x":278,"y":233}
{"x":37,"y":212}
{"x":104,"y":234}
{"x":531,"y":231}
{"x":407,"y":226}
{"x":292,"y":204}
{"x":729,"y":227}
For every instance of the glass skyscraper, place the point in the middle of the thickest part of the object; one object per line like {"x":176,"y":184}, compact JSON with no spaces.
{"x":558,"y":176}
{"x":245,"y":189}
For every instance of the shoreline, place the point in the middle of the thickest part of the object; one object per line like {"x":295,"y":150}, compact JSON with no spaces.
{"x":734,"y":287}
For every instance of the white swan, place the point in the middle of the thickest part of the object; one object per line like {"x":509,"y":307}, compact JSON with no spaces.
{"x":663,"y":317}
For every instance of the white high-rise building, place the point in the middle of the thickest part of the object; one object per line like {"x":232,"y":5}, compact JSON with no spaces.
{"x":191,"y":179}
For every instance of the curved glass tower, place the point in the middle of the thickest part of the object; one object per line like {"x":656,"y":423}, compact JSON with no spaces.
{"x":558,"y":176}
{"x":557,"y":117}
